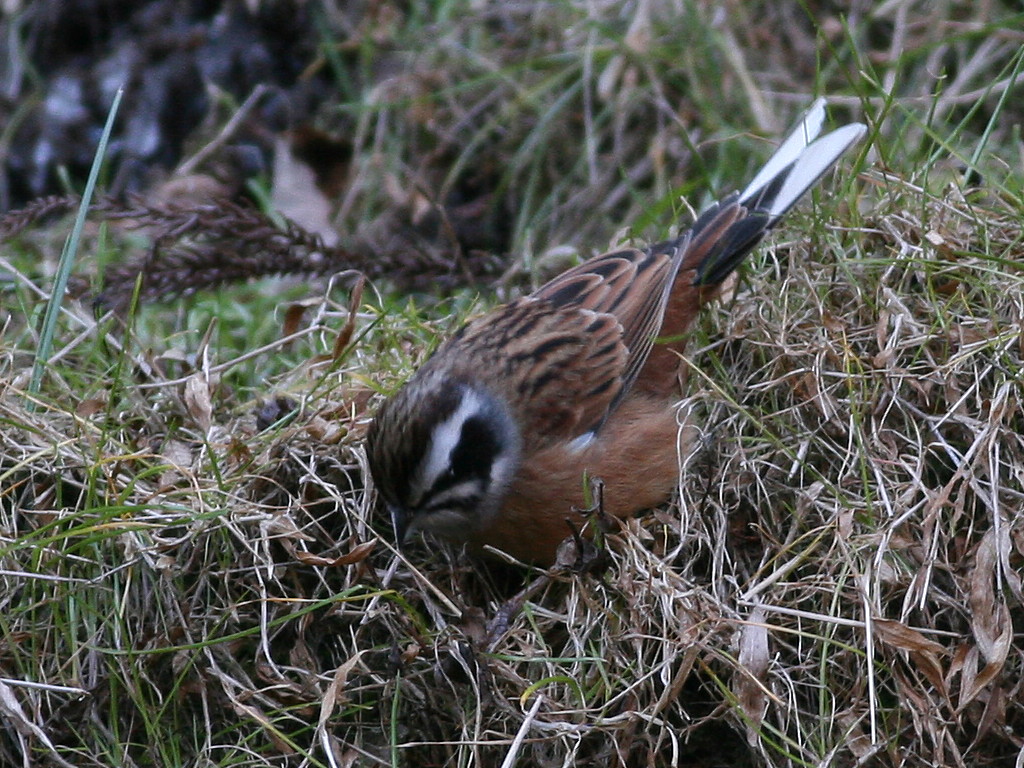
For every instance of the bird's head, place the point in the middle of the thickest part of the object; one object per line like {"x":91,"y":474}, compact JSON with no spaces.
{"x":442,"y":453}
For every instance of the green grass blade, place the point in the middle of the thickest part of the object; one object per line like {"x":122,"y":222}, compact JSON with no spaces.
{"x":67,"y":256}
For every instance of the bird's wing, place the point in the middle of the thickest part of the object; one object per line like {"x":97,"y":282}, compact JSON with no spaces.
{"x":561,"y":367}
{"x":631,"y":285}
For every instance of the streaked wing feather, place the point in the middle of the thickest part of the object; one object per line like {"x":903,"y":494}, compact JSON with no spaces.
{"x":631,"y":285}
{"x":725,"y":243}
{"x":562,"y":367}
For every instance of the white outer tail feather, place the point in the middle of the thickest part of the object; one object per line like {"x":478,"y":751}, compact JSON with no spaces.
{"x":803,"y":158}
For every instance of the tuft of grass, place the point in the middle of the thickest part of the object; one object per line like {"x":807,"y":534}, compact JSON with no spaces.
{"x":192,"y":571}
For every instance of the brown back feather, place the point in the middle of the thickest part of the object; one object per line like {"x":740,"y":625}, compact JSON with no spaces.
{"x":560,"y":367}
{"x":631,"y":285}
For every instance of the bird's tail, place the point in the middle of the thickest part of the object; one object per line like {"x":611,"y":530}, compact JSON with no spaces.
{"x":730,"y":229}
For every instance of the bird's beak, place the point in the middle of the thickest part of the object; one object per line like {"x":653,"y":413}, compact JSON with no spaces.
{"x":400,"y":524}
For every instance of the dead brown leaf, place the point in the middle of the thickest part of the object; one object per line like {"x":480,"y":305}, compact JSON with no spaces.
{"x":198,"y":400}
{"x":751,"y":684}
{"x":923,"y":653}
{"x":357,"y":554}
{"x":90,"y":406}
{"x":345,"y":334}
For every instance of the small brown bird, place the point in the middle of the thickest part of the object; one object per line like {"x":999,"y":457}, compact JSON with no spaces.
{"x":490,"y":441}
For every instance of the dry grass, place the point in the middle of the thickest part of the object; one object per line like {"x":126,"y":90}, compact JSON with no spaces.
{"x":194,"y":577}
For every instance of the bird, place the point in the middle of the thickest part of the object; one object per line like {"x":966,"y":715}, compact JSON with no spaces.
{"x":493,"y":440}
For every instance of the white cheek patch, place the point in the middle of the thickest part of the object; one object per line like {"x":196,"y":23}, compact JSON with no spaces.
{"x":445,"y":437}
{"x":467,"y":489}
{"x":501,"y":470}
{"x":582,"y":442}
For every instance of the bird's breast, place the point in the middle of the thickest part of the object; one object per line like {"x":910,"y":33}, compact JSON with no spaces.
{"x":635,"y":455}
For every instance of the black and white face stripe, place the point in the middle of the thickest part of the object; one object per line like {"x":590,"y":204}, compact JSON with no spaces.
{"x":468,"y":464}
{"x":468,"y":473}
{"x":445,"y":437}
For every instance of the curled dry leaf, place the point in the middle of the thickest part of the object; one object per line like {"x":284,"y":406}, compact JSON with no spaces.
{"x":324,"y":431}
{"x":293,"y":315}
{"x":335,"y":693}
{"x":357,"y":554}
{"x":990,"y":624}
{"x":410,"y":653}
{"x":89,"y":407}
{"x":333,"y":696}
{"x":283,"y":527}
{"x":346,"y":333}
{"x":177,"y":455}
{"x":990,"y":619}
{"x":751,"y":685}
{"x":924,"y":653}
{"x":198,"y":401}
